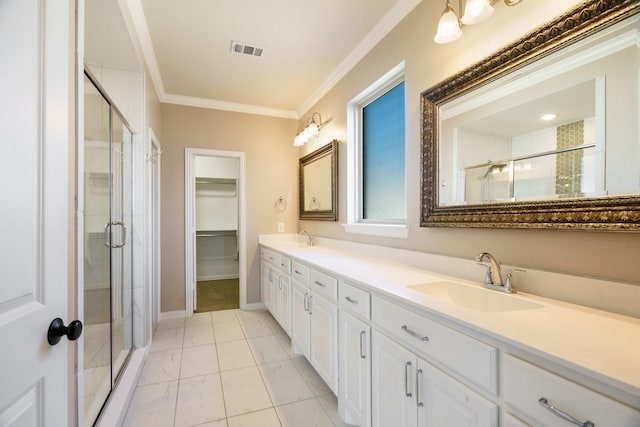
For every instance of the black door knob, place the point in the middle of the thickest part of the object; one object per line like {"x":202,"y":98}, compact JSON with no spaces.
{"x":57,"y":330}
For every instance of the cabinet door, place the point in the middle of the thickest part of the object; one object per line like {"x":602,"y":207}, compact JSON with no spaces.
{"x":284,"y":309}
{"x":393,"y":370}
{"x":264,"y":282}
{"x":274,"y":283}
{"x":443,"y":401}
{"x":354,"y":399}
{"x":266,"y":295}
{"x":299,"y":319}
{"x":324,"y":339}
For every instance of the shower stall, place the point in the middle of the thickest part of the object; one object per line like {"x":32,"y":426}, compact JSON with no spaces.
{"x":108,"y":253}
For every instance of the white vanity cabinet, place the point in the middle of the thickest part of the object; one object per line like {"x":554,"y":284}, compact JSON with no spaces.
{"x":395,"y":361}
{"x":354,"y":395}
{"x":314,"y":321}
{"x":408,"y":390}
{"x":276,"y":287}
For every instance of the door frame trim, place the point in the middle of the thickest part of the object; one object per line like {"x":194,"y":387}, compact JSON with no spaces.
{"x":189,"y":222}
{"x":153,"y":152}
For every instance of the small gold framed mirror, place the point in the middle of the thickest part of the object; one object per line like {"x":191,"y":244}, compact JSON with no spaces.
{"x":318,"y":183}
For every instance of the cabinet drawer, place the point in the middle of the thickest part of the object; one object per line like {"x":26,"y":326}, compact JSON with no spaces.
{"x":300,"y":272}
{"x":323,"y":284}
{"x":525,"y":384}
{"x":355,"y":300}
{"x":272,"y":257}
{"x":473,"y":360}
{"x":285,"y":264}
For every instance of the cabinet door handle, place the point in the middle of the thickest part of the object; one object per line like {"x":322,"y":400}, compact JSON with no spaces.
{"x":306,"y":301}
{"x":555,"y":411}
{"x":310,"y":301}
{"x":319,"y":283}
{"x":363,"y":334}
{"x":418,"y":375}
{"x":407,"y":392}
{"x":414,"y":334}
{"x":351,"y":300}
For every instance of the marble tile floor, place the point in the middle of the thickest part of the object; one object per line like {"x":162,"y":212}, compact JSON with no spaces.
{"x":228,"y":368}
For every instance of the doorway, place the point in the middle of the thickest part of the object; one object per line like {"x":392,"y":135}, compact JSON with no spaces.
{"x":214,"y":230}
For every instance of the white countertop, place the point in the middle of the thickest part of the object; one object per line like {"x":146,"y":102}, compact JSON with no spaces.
{"x":602,"y":345}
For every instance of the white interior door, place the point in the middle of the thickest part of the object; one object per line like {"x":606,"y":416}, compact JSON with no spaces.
{"x":36,"y":221}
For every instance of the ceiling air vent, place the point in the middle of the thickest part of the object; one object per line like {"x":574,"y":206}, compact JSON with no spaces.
{"x":245,"y":49}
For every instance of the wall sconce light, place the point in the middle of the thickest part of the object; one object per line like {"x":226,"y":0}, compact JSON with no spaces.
{"x":475,"y":12}
{"x":310,"y":130}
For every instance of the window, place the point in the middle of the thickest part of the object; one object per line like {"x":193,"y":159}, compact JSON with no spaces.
{"x":376,"y":158}
{"x":383,"y":198}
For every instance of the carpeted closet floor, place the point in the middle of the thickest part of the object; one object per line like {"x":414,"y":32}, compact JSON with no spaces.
{"x":216,"y":295}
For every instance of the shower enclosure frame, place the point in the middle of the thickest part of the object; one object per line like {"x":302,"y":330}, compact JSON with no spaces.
{"x":116,"y":237}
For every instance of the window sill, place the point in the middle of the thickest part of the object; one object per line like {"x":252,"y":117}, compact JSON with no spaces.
{"x":399,"y":231}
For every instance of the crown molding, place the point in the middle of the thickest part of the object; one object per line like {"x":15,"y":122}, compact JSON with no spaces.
{"x":213,"y":104}
{"x":380,"y":31}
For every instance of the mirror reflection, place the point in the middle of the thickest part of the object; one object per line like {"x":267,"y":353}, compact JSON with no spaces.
{"x":564,"y":127}
{"x":317,"y":188}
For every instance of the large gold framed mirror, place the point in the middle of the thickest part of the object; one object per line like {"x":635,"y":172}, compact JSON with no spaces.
{"x":318,"y":181}
{"x":542,"y":134}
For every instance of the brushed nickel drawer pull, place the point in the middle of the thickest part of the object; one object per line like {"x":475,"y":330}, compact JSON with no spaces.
{"x":351,"y":300}
{"x":555,"y":411}
{"x":319,"y":283}
{"x":414,"y":334}
{"x":418,"y":375}
{"x":406,"y":379}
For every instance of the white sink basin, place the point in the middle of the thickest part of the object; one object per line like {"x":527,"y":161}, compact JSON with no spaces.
{"x":475,"y":298}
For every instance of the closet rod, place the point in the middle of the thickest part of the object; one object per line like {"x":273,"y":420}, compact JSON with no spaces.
{"x":214,"y":235}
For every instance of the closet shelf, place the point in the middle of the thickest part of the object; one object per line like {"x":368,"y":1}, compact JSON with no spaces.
{"x":216,"y":233}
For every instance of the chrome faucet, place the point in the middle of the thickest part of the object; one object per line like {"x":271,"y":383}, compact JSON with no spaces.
{"x":494,"y":275}
{"x":493,"y":278}
{"x":310,"y":241}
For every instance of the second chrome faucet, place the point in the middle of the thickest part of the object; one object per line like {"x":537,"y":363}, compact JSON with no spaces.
{"x":493,"y":276}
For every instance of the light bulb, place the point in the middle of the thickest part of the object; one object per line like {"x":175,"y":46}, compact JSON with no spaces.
{"x":476,"y":11}
{"x":448,"y":27}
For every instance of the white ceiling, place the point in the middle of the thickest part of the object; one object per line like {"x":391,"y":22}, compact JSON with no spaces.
{"x":308,"y":46}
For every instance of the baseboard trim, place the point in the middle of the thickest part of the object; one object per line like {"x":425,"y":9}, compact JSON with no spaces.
{"x":173,"y":314}
{"x":253,"y":306}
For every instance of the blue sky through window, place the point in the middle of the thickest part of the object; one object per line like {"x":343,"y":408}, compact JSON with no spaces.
{"x":383,"y":157}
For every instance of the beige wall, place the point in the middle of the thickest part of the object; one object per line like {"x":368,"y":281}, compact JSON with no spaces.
{"x":598,"y":254}
{"x":271,"y":171}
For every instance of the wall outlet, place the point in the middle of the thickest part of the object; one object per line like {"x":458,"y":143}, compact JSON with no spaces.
{"x":281,"y":227}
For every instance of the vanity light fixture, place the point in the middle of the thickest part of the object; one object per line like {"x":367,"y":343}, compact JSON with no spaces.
{"x":310,"y":130}
{"x":475,"y":12}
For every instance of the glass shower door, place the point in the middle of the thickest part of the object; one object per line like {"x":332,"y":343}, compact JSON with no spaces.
{"x":97,"y":255}
{"x":108,"y":255}
{"x":121,"y":253}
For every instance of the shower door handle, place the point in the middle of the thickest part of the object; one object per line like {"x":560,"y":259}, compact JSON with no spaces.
{"x":124,"y":234}
{"x":108,"y":235}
